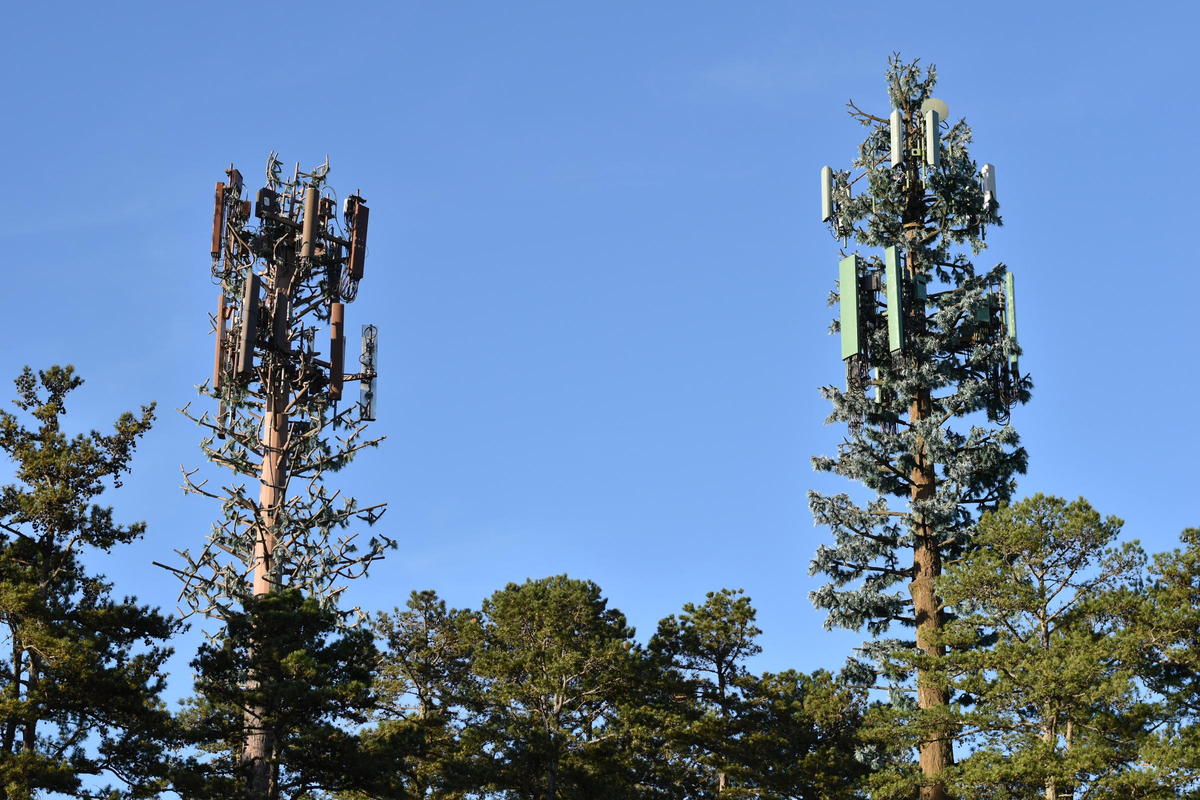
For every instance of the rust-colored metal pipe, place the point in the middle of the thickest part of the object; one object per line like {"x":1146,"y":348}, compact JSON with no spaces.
{"x":337,"y":348}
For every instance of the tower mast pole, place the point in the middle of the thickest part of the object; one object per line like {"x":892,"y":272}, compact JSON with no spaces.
{"x":278,"y":383}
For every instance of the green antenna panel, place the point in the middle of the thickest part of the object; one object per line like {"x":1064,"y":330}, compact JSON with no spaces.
{"x":895,"y":298}
{"x":848,"y":292}
{"x":1010,"y":315}
{"x":983,"y":310}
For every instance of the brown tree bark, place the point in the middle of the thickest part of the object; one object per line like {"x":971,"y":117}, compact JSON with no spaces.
{"x":936,"y":752}
{"x":258,"y":750}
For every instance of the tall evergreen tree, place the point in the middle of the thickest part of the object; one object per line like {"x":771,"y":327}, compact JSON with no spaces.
{"x":557,"y":664}
{"x":799,"y":737}
{"x":312,"y":685}
{"x":427,"y":695}
{"x":79,"y":691}
{"x":1170,"y":636}
{"x":707,"y":647}
{"x":929,"y":386}
{"x":740,"y":735}
{"x":1042,"y":650}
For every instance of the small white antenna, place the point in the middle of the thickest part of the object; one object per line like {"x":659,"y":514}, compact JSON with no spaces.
{"x":987,"y":180}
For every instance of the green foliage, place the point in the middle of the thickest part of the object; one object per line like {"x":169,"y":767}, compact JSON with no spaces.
{"x":928,"y":433}
{"x":740,"y":735}
{"x":544,"y":694}
{"x":798,"y":737}
{"x":1170,"y":622}
{"x":1044,"y":656}
{"x":556,"y":665}
{"x":946,"y":358}
{"x":79,"y":689}
{"x":710,"y":643}
{"x":426,"y":695}
{"x":286,"y":657}
{"x":706,"y":648}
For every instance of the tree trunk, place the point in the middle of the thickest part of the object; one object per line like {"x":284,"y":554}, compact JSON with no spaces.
{"x":14,"y":692}
{"x":258,"y":751}
{"x":1049,"y":735}
{"x":936,"y":752}
{"x":724,"y":723}
{"x":33,"y":673}
{"x":552,"y":778}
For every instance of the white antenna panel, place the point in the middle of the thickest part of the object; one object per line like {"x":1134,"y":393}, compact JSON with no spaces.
{"x":826,"y":193}
{"x":987,"y":180}
{"x":896,"y":123}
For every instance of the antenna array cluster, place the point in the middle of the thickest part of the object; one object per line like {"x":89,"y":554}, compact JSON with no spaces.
{"x":280,"y":261}
{"x":892,"y":293}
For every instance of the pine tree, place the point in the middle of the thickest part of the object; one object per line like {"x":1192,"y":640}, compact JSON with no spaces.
{"x":79,"y":691}
{"x":1042,"y":653}
{"x":930,"y":381}
{"x":774,"y":736}
{"x":706,"y":647}
{"x":428,"y":694}
{"x":313,"y":685}
{"x":799,"y":737}
{"x":1170,"y":635}
{"x":557,"y":665}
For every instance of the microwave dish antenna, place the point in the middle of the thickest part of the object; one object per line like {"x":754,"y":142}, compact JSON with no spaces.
{"x":934,"y":104}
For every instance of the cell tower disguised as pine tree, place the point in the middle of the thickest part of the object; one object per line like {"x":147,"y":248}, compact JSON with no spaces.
{"x":286,"y":266}
{"x":929,"y":344}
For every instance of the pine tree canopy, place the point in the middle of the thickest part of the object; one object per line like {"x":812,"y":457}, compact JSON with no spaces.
{"x":312,"y":680}
{"x":79,"y":692}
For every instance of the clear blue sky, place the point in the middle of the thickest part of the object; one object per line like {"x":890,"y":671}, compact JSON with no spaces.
{"x":596,"y":263}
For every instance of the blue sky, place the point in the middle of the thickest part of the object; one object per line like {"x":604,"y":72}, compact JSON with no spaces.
{"x":596,"y":263}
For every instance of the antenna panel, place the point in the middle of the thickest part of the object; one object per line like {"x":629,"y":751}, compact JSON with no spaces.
{"x":358,"y":238}
{"x":848,"y":303}
{"x":245,"y":353}
{"x":896,"y":123}
{"x":218,"y":229}
{"x":1010,"y":315}
{"x":235,"y":181}
{"x":337,"y":348}
{"x":308,"y":237}
{"x":826,"y":193}
{"x":368,"y":385}
{"x":933,"y":136}
{"x":895,"y":299}
{"x":987,"y":181}
{"x":219,"y":355}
